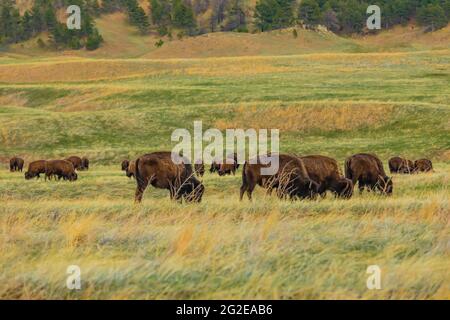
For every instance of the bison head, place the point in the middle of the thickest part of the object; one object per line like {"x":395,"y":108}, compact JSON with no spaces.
{"x":28,"y":175}
{"x":343,"y":188}
{"x":125,"y":164}
{"x":386,"y":185}
{"x":193,"y":190}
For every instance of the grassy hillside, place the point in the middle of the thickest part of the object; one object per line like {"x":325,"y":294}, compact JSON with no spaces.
{"x":334,"y":101}
{"x":124,"y":41}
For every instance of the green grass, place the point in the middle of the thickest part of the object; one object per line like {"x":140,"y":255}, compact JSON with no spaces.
{"x":110,"y":109}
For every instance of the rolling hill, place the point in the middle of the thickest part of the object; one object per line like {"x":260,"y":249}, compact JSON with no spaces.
{"x":388,"y":94}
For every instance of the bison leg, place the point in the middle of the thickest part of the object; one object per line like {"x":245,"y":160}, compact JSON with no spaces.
{"x":139,"y":193}
{"x":242,"y":191}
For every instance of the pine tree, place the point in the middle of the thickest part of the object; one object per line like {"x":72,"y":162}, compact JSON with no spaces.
{"x":432,"y":17}
{"x":309,"y":13}
{"x":182,"y":16}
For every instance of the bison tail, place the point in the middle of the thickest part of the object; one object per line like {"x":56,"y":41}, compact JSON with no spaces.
{"x":347,"y":170}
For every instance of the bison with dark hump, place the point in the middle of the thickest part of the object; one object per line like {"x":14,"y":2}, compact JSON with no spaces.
{"x":85,"y":163}
{"x":61,"y":169}
{"x":325,"y":171}
{"x":400,"y":165}
{"x":16,"y":164}
{"x":367,"y":169}
{"x":161,"y":172}
{"x":76,"y":161}
{"x":423,"y":165}
{"x":291,"y":179}
{"x":35,"y":169}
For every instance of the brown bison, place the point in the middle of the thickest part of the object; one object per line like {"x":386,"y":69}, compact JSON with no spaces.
{"x":400,"y":165}
{"x":131,"y":170}
{"x":229,"y":166}
{"x":325,"y":171}
{"x":215,"y":166}
{"x":423,"y":165}
{"x":35,"y":168}
{"x":367,"y":170}
{"x":85,"y":163}
{"x":76,"y":161}
{"x":199,"y":168}
{"x":161,"y":172}
{"x":61,"y":169}
{"x":16,"y":164}
{"x":291,"y":180}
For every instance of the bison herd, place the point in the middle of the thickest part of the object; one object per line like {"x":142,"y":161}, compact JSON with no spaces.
{"x":65,"y":169}
{"x":298,"y":177}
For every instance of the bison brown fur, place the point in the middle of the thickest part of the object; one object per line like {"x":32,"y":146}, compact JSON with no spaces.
{"x":35,"y":168}
{"x":291,"y":180}
{"x":60,"y":168}
{"x":161,"y":172}
{"x":400,"y":165}
{"x":16,"y":164}
{"x":325,"y":171}
{"x":423,"y":165}
{"x":76,"y":161}
{"x":367,"y":170}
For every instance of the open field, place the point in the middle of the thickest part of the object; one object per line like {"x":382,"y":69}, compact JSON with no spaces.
{"x":336,"y":104}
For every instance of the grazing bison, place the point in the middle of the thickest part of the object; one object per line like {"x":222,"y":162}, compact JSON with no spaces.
{"x":61,"y":169}
{"x":35,"y":168}
{"x":16,"y":164}
{"x":76,"y":161}
{"x":423,"y":165}
{"x":131,"y":170}
{"x":400,"y":165}
{"x":85,"y":163}
{"x":129,"y":167}
{"x":161,"y":172}
{"x":368,"y":171}
{"x":125,"y":164}
{"x":290,"y":180}
{"x":229,"y":166}
{"x":215,"y":166}
{"x":199,"y":168}
{"x":325,"y":171}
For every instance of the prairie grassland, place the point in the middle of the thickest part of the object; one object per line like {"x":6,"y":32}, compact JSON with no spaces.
{"x":334,"y":104}
{"x":221,"y":248}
